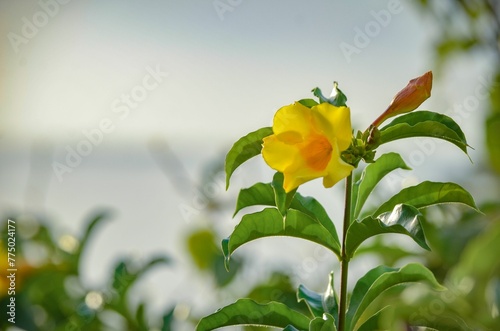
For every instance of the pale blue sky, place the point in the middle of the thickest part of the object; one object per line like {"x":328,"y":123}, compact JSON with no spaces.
{"x":225,"y":76}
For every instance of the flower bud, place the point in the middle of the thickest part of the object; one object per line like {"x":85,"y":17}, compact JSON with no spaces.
{"x":409,"y":98}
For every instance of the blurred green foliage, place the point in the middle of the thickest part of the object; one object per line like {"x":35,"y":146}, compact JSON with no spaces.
{"x":464,"y":258}
{"x":471,"y":28}
{"x":465,"y":247}
{"x":49,"y":293}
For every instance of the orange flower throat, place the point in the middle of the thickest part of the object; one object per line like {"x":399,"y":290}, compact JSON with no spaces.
{"x":317,"y":152}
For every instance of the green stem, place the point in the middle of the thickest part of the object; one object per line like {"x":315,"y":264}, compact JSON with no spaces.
{"x":344,"y":263}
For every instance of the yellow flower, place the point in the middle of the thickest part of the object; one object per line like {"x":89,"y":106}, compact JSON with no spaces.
{"x":409,"y":98}
{"x":306,"y":144}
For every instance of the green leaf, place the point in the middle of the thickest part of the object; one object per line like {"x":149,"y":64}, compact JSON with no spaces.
{"x":330,"y":303}
{"x":93,"y":224}
{"x":124,"y":279}
{"x":202,"y":247}
{"x":281,"y":198}
{"x":314,"y":209}
{"x":493,"y":137}
{"x":478,"y":259}
{"x":140,"y":317}
{"x":424,"y":124}
{"x":379,"y":279}
{"x":309,"y":103}
{"x":269,"y":194}
{"x":244,"y":149}
{"x":224,"y":277}
{"x":375,"y":321}
{"x":259,"y":194}
{"x":262,"y":194}
{"x":317,"y":303}
{"x":269,"y":222}
{"x":427,"y":194}
{"x":313,"y":300}
{"x":389,"y":254}
{"x":290,"y":328}
{"x":319,"y":94}
{"x":372,"y":175}
{"x":325,"y":323}
{"x":402,"y":219}
{"x":168,"y":319}
{"x":249,"y":312}
{"x":338,"y":99}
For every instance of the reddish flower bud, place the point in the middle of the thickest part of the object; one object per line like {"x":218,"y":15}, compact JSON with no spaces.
{"x":409,"y":98}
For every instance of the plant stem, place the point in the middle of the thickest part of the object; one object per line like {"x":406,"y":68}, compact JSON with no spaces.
{"x":344,"y":263}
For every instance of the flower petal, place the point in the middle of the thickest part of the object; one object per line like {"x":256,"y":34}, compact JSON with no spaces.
{"x":296,"y":117}
{"x":288,"y":159}
{"x":334,"y":122}
{"x":300,"y":174}
{"x":277,"y":154}
{"x":295,"y":179}
{"x":337,"y":169}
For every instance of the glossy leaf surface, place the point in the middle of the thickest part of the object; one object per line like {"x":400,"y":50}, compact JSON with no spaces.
{"x":372,"y":175}
{"x":379,"y":279}
{"x":244,"y":149}
{"x":427,"y":194}
{"x":424,"y":124}
{"x":269,"y":222}
{"x":325,"y":323}
{"x":249,"y":312}
{"x":402,"y":219}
